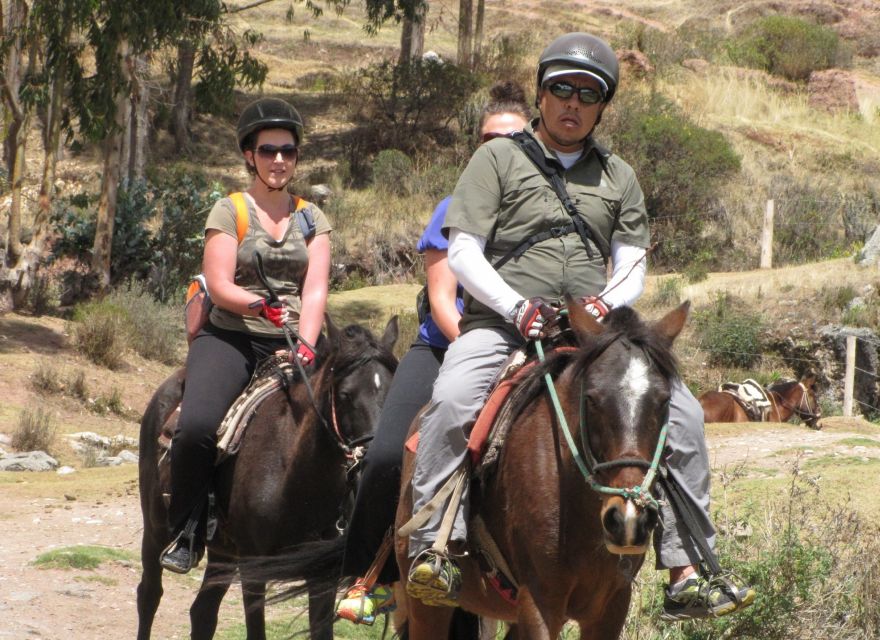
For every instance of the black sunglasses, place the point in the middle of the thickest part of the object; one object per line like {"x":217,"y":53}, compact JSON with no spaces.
{"x":564,"y":91}
{"x":271,"y":151}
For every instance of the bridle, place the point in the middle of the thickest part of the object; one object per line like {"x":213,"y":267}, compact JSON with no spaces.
{"x":805,"y":410}
{"x":589,"y":466}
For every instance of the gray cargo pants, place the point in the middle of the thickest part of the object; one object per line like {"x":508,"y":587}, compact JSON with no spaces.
{"x":459,"y":393}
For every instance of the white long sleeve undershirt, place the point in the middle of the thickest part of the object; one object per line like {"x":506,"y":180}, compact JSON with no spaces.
{"x":479,"y":278}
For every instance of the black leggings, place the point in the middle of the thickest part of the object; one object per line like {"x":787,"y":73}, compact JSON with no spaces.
{"x":219,"y":366}
{"x":376,"y":501}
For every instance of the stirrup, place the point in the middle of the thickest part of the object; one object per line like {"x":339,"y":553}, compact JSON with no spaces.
{"x":435,"y":579}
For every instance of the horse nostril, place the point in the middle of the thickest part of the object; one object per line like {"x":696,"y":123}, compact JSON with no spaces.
{"x":613,"y":522}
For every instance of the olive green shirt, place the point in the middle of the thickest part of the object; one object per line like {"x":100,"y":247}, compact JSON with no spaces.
{"x":285,"y":263}
{"x":503,"y":196}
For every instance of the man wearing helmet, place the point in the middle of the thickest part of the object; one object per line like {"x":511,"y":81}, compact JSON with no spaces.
{"x":501,"y":199}
{"x":291,"y":237}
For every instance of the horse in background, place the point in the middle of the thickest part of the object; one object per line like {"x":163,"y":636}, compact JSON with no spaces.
{"x":787,"y":398}
{"x":287,"y":484}
{"x":573,"y":537}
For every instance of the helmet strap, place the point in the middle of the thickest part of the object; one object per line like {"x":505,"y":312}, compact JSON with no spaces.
{"x":268,"y":186}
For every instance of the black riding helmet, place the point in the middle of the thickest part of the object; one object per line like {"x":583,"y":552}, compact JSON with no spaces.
{"x":582,"y":51}
{"x":268,"y":113}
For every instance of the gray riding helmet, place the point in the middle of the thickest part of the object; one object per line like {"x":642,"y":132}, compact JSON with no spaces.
{"x":268,"y":113}
{"x":584,"y":52}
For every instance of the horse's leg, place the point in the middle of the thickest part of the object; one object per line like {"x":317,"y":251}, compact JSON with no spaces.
{"x":532,"y":622}
{"x":254,"y":593}
{"x":321,"y":614}
{"x":149,"y":591}
{"x":205,"y":608}
{"x":427,"y":623}
{"x":611,"y":624}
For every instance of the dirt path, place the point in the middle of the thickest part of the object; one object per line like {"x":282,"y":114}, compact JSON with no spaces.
{"x":84,"y":605}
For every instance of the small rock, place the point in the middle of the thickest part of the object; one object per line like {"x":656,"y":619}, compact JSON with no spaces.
{"x":66,"y":471}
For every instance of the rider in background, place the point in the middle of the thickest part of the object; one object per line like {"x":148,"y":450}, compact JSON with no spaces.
{"x":502,"y":200}
{"x":246,"y":325}
{"x":376,"y":503}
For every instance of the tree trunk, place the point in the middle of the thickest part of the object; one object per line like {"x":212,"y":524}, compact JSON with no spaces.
{"x":180,"y":113}
{"x":478,"y":33}
{"x":140,"y":100}
{"x":465,"y":31}
{"x":13,"y":21}
{"x":112,"y":151}
{"x":51,"y":143}
{"x":412,"y":36}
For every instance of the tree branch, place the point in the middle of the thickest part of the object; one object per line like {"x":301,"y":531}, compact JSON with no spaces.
{"x":256,"y":3}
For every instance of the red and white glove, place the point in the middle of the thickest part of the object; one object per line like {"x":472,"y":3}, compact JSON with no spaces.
{"x":274,"y":312}
{"x":596,"y":307}
{"x":530,"y":316}
{"x":305,"y":353}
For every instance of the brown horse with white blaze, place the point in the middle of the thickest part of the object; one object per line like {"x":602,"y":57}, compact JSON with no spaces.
{"x":573,"y":524}
{"x":787,"y":398}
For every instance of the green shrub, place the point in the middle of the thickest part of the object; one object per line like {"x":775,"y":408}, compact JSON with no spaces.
{"x":35,"y":431}
{"x":76,"y":385}
{"x":99,"y":333}
{"x":680,"y":167}
{"x":405,"y":105}
{"x":730,"y":333}
{"x":42,"y":296}
{"x":392,"y":172}
{"x":46,"y":379}
{"x":153,"y":329}
{"x":668,"y":293}
{"x":787,"y":46}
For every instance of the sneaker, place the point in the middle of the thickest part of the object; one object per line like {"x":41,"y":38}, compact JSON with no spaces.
{"x":180,"y":556}
{"x":361,"y":605}
{"x":435,"y":579}
{"x":701,"y":598}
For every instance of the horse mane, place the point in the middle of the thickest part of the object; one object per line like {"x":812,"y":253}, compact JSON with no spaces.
{"x":622,"y":323}
{"x":781,"y":386}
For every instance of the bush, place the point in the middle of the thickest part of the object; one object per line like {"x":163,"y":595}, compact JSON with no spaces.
{"x":407,"y":104}
{"x":393,"y":172}
{"x":99,"y":333}
{"x":680,"y":167}
{"x":35,"y":431}
{"x":46,"y":379}
{"x":153,"y":329}
{"x":730,"y":333}
{"x":787,"y":46}
{"x":668,"y":293}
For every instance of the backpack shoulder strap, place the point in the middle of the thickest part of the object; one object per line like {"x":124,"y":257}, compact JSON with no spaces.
{"x":304,"y":218}
{"x":241,"y":214}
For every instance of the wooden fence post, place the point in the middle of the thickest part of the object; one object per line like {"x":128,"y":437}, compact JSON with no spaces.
{"x":849,"y":376}
{"x":767,"y":236}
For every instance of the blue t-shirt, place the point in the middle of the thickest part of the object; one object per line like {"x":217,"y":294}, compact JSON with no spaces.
{"x":433,"y":238}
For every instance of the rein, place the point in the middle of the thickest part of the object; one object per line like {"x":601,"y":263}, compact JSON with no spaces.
{"x":803,"y":410}
{"x":640,"y":494}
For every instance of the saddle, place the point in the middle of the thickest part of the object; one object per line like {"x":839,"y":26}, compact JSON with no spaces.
{"x":752,"y":398}
{"x":273,"y":374}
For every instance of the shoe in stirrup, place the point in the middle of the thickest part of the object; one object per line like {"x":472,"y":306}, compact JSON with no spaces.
{"x":181,"y":555}
{"x":435,"y":579}
{"x":362,"y":605}
{"x":699,"y":597}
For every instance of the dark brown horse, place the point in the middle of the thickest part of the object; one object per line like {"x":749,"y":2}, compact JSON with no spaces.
{"x":572,"y":532}
{"x":286,"y":485}
{"x":793,"y":397}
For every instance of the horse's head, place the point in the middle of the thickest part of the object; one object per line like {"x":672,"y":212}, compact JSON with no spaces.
{"x":359,"y":371}
{"x":625,"y":371}
{"x":800,"y":398}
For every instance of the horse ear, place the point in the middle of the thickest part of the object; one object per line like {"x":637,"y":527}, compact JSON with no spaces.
{"x":670,"y":325}
{"x":808,"y":378}
{"x":392,"y":332}
{"x":332,"y":329}
{"x":584,"y":324}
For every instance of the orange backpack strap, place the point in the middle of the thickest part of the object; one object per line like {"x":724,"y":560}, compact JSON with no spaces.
{"x":241,"y":214}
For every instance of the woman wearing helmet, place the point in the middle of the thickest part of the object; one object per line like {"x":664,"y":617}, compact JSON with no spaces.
{"x":503,"y":199}
{"x":291,"y":238}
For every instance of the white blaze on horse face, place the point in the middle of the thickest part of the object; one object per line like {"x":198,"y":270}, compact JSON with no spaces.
{"x":633,"y":386}
{"x":377,"y":380}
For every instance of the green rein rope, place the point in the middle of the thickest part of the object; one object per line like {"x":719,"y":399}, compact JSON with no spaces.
{"x":639,"y":494}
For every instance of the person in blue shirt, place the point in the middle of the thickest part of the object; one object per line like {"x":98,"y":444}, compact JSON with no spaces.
{"x":376,"y":503}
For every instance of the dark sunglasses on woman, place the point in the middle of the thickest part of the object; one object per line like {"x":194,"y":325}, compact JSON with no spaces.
{"x":564,"y":91}
{"x":271,"y":151}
